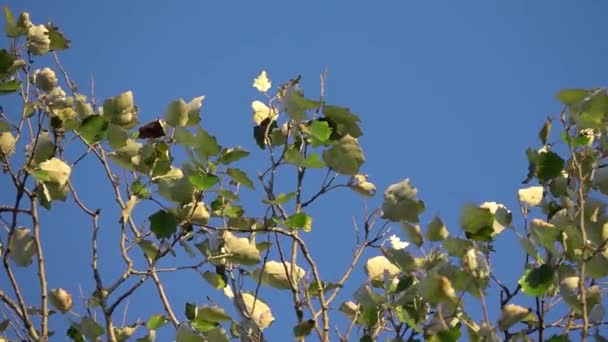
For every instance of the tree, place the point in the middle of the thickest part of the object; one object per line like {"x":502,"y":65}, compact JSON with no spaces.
{"x":178,"y":191}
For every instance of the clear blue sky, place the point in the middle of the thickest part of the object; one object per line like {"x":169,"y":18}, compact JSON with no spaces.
{"x":450,"y":95}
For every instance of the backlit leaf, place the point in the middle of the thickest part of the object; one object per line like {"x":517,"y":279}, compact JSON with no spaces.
{"x":477,"y":222}
{"x":231,"y":155}
{"x":299,"y":221}
{"x":93,"y":128}
{"x":536,"y":281}
{"x":163,"y":224}
{"x":240,"y":177}
{"x":156,"y":322}
{"x":281,"y":198}
{"x":342,"y":121}
{"x":203,"y":181}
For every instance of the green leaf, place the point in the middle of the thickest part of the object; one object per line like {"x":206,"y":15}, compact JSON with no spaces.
{"x":117,"y":136}
{"x":41,"y":176}
{"x":559,"y":338}
{"x":156,"y":322}
{"x":303,"y":329}
{"x":58,"y":41}
{"x":214,"y":279}
{"x":477,"y":222}
{"x":140,"y":190}
{"x":294,"y":157}
{"x":203,"y":181}
{"x":151,"y":337}
{"x":318,"y":132}
{"x":299,"y":221}
{"x":342,"y":121}
{"x":230,"y":155}
{"x":163,"y":224}
{"x":577,"y":141}
{"x":313,"y":161}
{"x":9,"y":87}
{"x":296,"y":104}
{"x":259,"y":131}
{"x":190,"y":311}
{"x":281,"y":198}
{"x":201,"y":326}
{"x":535,"y":282}
{"x":401,"y":202}
{"x":545,"y":131}
{"x":11,"y":30}
{"x":212,"y":314}
{"x":345,"y":156}
{"x":93,"y":128}
{"x":7,"y":60}
{"x":74,"y":333}
{"x":90,"y":328}
{"x":571,"y":97}
{"x":313,"y":288}
{"x":4,"y":126}
{"x":548,"y":166}
{"x":233,"y":211}
{"x":240,"y":177}
{"x":207,"y":144}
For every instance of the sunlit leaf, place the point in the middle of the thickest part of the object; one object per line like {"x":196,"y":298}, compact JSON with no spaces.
{"x":255,"y":309}
{"x":262,"y":83}
{"x":214,"y":279}
{"x":22,"y":247}
{"x":571,"y":97}
{"x":212,"y":314}
{"x":240,"y":250}
{"x":345,"y":156}
{"x":377,"y":267}
{"x":203,"y":181}
{"x":275,"y":274}
{"x":511,"y":314}
{"x":156,"y":322}
{"x":299,"y":221}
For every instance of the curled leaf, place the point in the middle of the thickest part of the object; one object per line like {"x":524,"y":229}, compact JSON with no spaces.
{"x":61,"y":300}
{"x":255,"y":309}
{"x":360,"y":184}
{"x":531,"y":196}
{"x":401,"y":202}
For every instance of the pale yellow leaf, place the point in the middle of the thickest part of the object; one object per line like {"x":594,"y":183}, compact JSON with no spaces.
{"x":262,"y":83}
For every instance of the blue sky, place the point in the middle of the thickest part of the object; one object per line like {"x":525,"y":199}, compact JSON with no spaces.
{"x":450,"y":95}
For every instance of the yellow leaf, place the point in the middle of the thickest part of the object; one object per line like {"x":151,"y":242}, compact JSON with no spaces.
{"x":261,"y":112}
{"x":262,"y":83}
